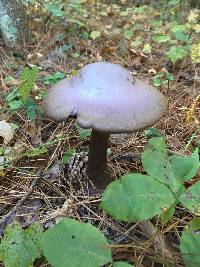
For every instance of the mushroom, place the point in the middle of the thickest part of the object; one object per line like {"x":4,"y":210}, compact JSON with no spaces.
{"x":106,"y":98}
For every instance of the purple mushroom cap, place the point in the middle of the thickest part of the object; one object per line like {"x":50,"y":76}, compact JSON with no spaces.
{"x":105,"y":97}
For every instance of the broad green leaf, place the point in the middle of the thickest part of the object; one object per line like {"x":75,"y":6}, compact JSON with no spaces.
{"x":122,"y":264}
{"x":27,"y":81}
{"x":136,"y":197}
{"x":95,"y":34}
{"x":155,"y":160}
{"x":177,"y":52}
{"x":20,"y":248}
{"x":185,"y":167}
{"x":75,"y":243}
{"x":190,"y":244}
{"x":174,"y":170}
{"x":181,"y":36}
{"x":191,"y":198}
{"x":157,"y":144}
{"x":161,"y":38}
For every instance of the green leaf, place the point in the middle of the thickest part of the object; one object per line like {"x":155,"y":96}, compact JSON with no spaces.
{"x":136,"y":197}
{"x":191,"y":198}
{"x":12,"y":95}
{"x":95,"y":34}
{"x":155,"y":160}
{"x":181,"y":36}
{"x":174,"y":170}
{"x":177,"y":52}
{"x":152,"y":132}
{"x":20,"y":248}
{"x":157,"y":144}
{"x":168,"y":214}
{"x":161,"y":38}
{"x":75,"y":243}
{"x":128,"y":34}
{"x":15,"y":104}
{"x":178,"y":28}
{"x":161,"y":79}
{"x":169,"y":76}
{"x":27,"y":81}
{"x":185,"y":167}
{"x":36,"y":152}
{"x":122,"y":264}
{"x":83,"y":133}
{"x":55,"y":9}
{"x":31,"y":108}
{"x":52,"y":79}
{"x":68,"y":155}
{"x":190,"y":244}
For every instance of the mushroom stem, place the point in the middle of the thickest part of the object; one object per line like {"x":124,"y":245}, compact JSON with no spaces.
{"x":97,"y":159}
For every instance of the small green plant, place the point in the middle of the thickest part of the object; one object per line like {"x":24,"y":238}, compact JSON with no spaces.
{"x":135,"y":197}
{"x":20,"y":97}
{"x":190,"y":243}
{"x":20,"y":248}
{"x":81,"y":245}
{"x":162,"y":78}
{"x":52,"y":79}
{"x":132,"y":198}
{"x":83,"y":133}
{"x":159,"y":191}
{"x":69,"y":241}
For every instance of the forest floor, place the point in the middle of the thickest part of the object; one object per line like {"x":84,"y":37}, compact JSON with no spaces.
{"x":34,"y":178}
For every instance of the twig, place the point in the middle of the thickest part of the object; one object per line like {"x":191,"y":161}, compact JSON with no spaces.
{"x":158,"y":240}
